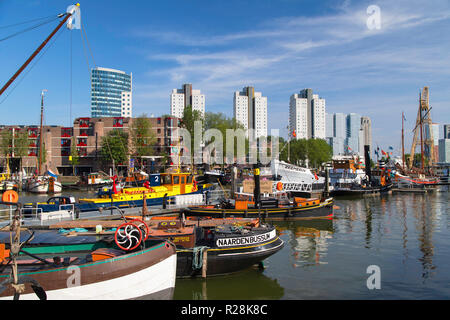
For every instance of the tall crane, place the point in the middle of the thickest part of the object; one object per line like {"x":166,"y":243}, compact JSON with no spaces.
{"x":424,"y":129}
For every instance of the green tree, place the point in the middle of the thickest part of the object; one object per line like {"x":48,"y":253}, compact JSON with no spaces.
{"x":223,"y":123}
{"x":75,"y":156}
{"x":142,"y":137}
{"x":188,"y":122}
{"x":317,"y":151}
{"x":114,"y":147}
{"x":189,"y":118}
{"x":16,"y":146}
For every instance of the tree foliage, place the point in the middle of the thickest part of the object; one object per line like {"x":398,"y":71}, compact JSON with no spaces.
{"x":75,"y":155}
{"x":115,"y":147}
{"x":17,"y":145}
{"x":316,"y":151}
{"x":190,"y":116}
{"x":142,"y":137}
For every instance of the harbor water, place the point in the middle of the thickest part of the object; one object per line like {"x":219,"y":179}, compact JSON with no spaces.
{"x":404,"y":236}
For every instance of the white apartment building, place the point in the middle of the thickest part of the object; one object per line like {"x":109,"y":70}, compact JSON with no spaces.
{"x":250,"y":109}
{"x":127,"y":104}
{"x":198,"y":101}
{"x":240,"y":108}
{"x":181,"y":98}
{"x":318,"y":117}
{"x":298,"y":117}
{"x":307,"y":115}
{"x":260,"y":105}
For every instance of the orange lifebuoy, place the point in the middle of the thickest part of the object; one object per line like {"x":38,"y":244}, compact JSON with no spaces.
{"x":279,"y":186}
{"x":10,"y":196}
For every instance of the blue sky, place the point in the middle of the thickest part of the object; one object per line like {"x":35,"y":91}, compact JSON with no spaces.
{"x":279,"y":47}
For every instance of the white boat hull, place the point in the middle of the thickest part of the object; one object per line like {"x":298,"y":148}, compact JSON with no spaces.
{"x":154,"y":282}
{"x":43,"y":187}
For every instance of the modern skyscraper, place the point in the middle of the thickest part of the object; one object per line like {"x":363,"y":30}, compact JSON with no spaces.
{"x":181,"y":98}
{"x":353,"y":127}
{"x":446,"y":131}
{"x":250,"y":109}
{"x":307,"y":115}
{"x":111,"y":93}
{"x":348,"y":133}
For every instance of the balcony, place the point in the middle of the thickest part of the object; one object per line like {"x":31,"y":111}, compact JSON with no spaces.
{"x":66,"y":132}
{"x":65,"y":143}
{"x":118,"y":122}
{"x":82,"y":152}
{"x":84,"y":122}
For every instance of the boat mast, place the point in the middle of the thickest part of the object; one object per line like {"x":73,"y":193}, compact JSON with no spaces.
{"x":18,"y":72}
{"x":403,"y":144}
{"x":40,"y":133}
{"x":421,"y":131}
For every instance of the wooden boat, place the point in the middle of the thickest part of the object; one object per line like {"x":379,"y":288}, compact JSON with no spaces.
{"x":299,"y":208}
{"x":44,"y":184}
{"x":52,"y":266}
{"x":205,"y":247}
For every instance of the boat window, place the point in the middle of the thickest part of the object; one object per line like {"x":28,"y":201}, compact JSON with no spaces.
{"x":176,"y":179}
{"x":189,"y":179}
{"x":183,"y":180}
{"x":167,"y":179}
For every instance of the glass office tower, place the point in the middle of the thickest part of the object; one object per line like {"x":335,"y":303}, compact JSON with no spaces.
{"x":107,"y":88}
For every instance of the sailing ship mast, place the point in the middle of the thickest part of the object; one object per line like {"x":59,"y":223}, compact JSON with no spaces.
{"x":403,"y":143}
{"x":40,"y":134}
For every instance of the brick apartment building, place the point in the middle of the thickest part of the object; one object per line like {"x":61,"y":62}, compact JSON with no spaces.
{"x":87,"y":134}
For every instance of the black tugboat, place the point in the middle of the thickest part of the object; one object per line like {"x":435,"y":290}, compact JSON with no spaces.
{"x":205,"y":247}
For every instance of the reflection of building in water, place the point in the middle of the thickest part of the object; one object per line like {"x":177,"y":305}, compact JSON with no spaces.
{"x":425,"y":224}
{"x":308,"y":239}
{"x":310,"y":246}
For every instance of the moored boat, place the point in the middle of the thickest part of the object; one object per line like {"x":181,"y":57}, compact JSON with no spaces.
{"x":159,"y":190}
{"x":44,"y":184}
{"x":49,"y":265}
{"x":205,"y":247}
{"x":299,"y":208}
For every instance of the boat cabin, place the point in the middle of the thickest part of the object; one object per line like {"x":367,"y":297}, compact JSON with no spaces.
{"x":170,"y":180}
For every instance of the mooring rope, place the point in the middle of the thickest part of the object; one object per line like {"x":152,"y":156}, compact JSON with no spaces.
{"x":197,"y":257}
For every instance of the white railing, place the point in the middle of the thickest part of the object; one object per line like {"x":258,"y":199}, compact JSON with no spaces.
{"x":188,"y":199}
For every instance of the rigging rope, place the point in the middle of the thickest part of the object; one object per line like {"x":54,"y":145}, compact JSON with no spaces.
{"x":27,"y":29}
{"x":29,"y":21}
{"x":31,"y":67}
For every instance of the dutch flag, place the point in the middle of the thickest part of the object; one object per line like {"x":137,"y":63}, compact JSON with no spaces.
{"x":51,"y":173}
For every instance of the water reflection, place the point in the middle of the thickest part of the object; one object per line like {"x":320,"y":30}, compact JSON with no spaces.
{"x":250,"y":284}
{"x":308,"y":240}
{"x":425,"y":225}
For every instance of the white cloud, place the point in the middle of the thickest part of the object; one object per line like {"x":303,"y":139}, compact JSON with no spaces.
{"x":335,"y":54}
